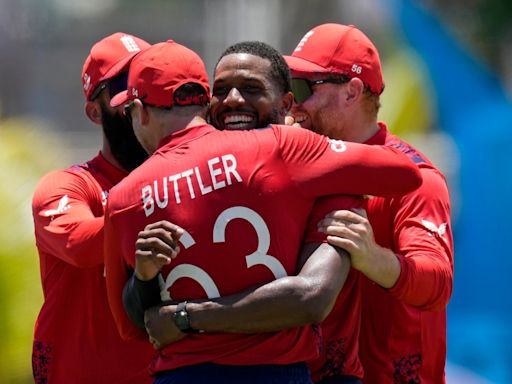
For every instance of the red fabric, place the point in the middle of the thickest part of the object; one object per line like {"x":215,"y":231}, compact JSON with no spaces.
{"x":237,"y":193}
{"x":159,"y":71}
{"x":342,"y":49}
{"x":108,"y":58}
{"x":340,"y":330}
{"x":75,"y":337}
{"x":403,"y":330}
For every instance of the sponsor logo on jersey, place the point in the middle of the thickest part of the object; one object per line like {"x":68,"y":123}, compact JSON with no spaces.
{"x":61,"y":208}
{"x":434,"y":229}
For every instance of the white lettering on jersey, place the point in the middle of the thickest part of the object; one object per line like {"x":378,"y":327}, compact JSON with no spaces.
{"x":61,"y":208}
{"x":190,"y":180}
{"x":337,"y":145}
{"x":433,"y":229}
{"x":303,"y":41}
{"x":259,"y":257}
{"x":129,"y":43}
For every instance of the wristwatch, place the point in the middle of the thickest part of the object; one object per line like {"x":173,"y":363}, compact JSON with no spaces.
{"x":182,"y":319}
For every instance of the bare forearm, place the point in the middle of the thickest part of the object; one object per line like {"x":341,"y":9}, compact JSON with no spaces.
{"x":384,"y":268}
{"x":283,"y":303}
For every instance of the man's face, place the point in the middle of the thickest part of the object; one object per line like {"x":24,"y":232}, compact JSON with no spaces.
{"x":322,"y":111}
{"x":119,"y":132}
{"x":245,"y":96}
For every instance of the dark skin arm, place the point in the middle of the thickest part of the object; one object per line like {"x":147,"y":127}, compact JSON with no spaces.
{"x":291,"y":301}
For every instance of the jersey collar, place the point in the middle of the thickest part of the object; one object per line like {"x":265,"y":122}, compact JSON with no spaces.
{"x":380,"y":137}
{"x":175,"y":139}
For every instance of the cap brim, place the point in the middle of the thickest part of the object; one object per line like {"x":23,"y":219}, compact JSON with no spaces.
{"x":119,"y":99}
{"x":300,"y":65}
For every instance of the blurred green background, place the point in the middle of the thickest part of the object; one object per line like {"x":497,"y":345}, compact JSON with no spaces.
{"x":43,"y":126}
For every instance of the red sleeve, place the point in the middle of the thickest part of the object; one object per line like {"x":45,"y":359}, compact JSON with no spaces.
{"x":118,"y":273}
{"x":322,"y":207}
{"x":423,"y":234}
{"x":68,"y":218}
{"x":322,"y":166}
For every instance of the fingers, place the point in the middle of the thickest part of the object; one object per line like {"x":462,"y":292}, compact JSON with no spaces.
{"x":156,"y":246}
{"x":165,"y":225}
{"x":345,"y":217}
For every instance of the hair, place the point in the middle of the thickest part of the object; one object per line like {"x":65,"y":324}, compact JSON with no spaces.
{"x":371,"y":100}
{"x":279,"y":70}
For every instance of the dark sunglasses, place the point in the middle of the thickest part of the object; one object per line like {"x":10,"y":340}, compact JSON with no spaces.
{"x":303,"y":88}
{"x":115,"y":85}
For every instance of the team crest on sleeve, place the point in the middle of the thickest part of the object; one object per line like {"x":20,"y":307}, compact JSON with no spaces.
{"x":434,"y":229}
{"x":61,"y":208}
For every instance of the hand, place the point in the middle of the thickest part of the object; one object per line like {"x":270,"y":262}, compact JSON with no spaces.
{"x":289,"y":120}
{"x":155,"y":247}
{"x":160,"y":326}
{"x":351,"y":231}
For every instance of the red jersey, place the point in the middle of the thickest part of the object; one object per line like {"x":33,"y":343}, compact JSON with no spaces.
{"x":339,"y":353}
{"x":76,"y":339}
{"x":244,"y":198}
{"x":403,"y":330}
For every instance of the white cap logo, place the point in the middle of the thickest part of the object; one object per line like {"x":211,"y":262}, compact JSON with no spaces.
{"x":87,"y":81}
{"x":135,"y":92}
{"x":303,"y":41}
{"x":129,"y":43}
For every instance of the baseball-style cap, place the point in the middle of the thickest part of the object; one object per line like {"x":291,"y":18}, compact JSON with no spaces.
{"x":340,"y":49}
{"x":108,"y":58}
{"x":157,"y":72}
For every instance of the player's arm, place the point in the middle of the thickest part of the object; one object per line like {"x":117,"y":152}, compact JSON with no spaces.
{"x":421,"y":272}
{"x":65,"y":225}
{"x":118,"y":272}
{"x":155,"y":247}
{"x":287,"y":302}
{"x":336,"y":167}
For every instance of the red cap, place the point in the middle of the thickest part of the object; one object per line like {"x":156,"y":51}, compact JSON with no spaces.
{"x":108,"y":58}
{"x":160,"y":70}
{"x":341,"y":49}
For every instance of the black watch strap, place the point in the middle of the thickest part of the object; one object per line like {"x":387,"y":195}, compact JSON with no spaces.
{"x":182,"y":320}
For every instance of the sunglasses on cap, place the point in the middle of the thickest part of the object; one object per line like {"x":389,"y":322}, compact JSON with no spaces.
{"x":303,"y":88}
{"x":115,"y":85}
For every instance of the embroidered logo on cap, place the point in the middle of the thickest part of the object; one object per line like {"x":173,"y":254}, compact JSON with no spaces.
{"x":129,"y":43}
{"x":87,"y":81}
{"x":303,"y":41}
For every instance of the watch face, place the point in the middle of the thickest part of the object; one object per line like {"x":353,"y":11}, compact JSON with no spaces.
{"x":181,"y":320}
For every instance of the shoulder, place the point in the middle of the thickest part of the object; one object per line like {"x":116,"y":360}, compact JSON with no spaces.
{"x":76,"y":180}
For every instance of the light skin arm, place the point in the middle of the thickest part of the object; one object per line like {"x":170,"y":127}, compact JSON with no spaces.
{"x":351,"y":230}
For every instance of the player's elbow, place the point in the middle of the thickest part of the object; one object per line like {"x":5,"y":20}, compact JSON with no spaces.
{"x":318,"y":303}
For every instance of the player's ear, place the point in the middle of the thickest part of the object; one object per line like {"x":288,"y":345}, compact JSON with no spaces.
{"x":286,"y":104}
{"x":93,"y":112}
{"x":354,"y":90}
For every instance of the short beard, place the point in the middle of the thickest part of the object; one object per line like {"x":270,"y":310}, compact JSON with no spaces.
{"x":124,"y":146}
{"x":272,"y":118}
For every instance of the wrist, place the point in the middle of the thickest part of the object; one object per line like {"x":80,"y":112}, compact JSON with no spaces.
{"x":182,"y":318}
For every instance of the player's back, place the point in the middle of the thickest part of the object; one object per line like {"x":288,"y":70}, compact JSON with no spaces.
{"x":244,"y":218}
{"x":244,"y":198}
